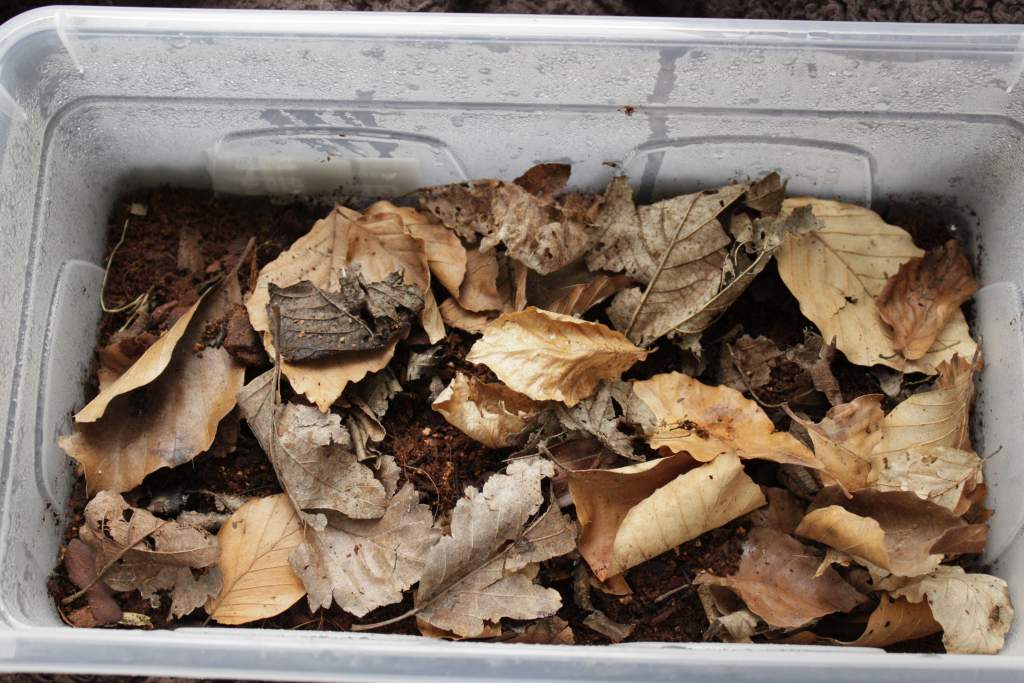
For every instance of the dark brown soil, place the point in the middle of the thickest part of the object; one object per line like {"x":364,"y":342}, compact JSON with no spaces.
{"x":437,"y":458}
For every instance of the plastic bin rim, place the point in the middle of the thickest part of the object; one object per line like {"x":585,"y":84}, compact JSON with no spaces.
{"x":988,"y":38}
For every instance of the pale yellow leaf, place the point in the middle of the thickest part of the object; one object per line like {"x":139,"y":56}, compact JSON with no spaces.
{"x":445,"y":253}
{"x":548,"y":356}
{"x":973,"y":609}
{"x":489,"y":412}
{"x":708,"y":422}
{"x":458,"y":317}
{"x":836,"y":273}
{"x":936,"y":473}
{"x":256,"y":580}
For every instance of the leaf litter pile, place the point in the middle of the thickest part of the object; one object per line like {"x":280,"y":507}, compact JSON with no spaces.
{"x":523,"y":414}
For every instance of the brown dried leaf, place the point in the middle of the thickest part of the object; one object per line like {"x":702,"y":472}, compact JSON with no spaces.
{"x":483,"y":288}
{"x":893,"y":530}
{"x":939,"y":417}
{"x":312,"y":454}
{"x":539,"y":230}
{"x":836,"y":273}
{"x":919,"y":300}
{"x":456,"y":316}
{"x":257,"y":581}
{"x":845,"y":439}
{"x":548,"y":356}
{"x":80,"y":564}
{"x":973,"y":609}
{"x":162,"y":552}
{"x":550,"y":631}
{"x":572,"y":290}
{"x":776,"y":579}
{"x":766,"y":194}
{"x":753,"y":358}
{"x":935,"y":473}
{"x":708,"y":422}
{"x":783,"y":512}
{"x":596,"y":416}
{"x":489,"y":412}
{"x":632,"y":514}
{"x":318,"y":325}
{"x":612,"y":630}
{"x":545,"y":180}
{"x":896,"y":620}
{"x":728,"y":619}
{"x":687,"y":230}
{"x":165,"y":410}
{"x":365,"y":564}
{"x":814,"y":357}
{"x":474,"y":575}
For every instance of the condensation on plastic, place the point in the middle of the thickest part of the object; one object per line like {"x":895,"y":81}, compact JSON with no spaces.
{"x":94,"y":102}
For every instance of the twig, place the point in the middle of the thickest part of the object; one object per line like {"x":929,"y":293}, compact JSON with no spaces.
{"x":106,"y":272}
{"x":114,"y":560}
{"x":668,"y":594}
{"x":661,"y":266}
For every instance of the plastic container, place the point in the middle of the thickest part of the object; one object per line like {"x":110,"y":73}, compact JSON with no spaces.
{"x":94,"y":102}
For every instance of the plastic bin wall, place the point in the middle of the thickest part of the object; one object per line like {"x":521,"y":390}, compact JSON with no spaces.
{"x":95,"y":102}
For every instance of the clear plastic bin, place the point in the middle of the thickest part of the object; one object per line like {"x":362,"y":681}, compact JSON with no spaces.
{"x":94,"y":102}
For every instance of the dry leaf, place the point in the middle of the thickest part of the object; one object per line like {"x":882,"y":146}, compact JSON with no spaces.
{"x":312,"y":454}
{"x":480,"y":288}
{"x":166,"y":412}
{"x":939,"y":417}
{"x":753,"y":358}
{"x":191,"y":593}
{"x":893,"y":530}
{"x":919,"y":300}
{"x":489,"y":412}
{"x":539,"y":230}
{"x":935,"y":473}
{"x":360,"y":316}
{"x":548,"y":356}
{"x":257,"y":581}
{"x":550,"y":631}
{"x":973,"y":609}
{"x":678,"y":244}
{"x":635,"y":513}
{"x":365,"y":564}
{"x":162,"y":552}
{"x":456,"y":316}
{"x":777,"y":581}
{"x":474,"y":576}
{"x":572,"y":290}
{"x":80,"y":564}
{"x":708,"y":422}
{"x":596,"y":416}
{"x":545,"y":180}
{"x":845,"y":438}
{"x":814,"y":357}
{"x":728,"y":620}
{"x":445,"y":254}
{"x":603,"y":624}
{"x":766,"y":194}
{"x":896,"y":620}
{"x":782,"y":513}
{"x":836,"y":273}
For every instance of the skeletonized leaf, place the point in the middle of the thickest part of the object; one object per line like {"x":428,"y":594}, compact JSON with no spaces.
{"x":919,"y":300}
{"x":256,"y":580}
{"x":361,"y":316}
{"x":939,"y":417}
{"x":836,"y":273}
{"x":845,"y":439}
{"x":893,"y":530}
{"x":776,"y":579}
{"x":708,"y":422}
{"x":973,"y":609}
{"x":548,"y":356}
{"x":162,"y":552}
{"x":935,"y":473}
{"x":474,"y":575}
{"x":312,"y":454}
{"x":678,"y":244}
{"x":172,"y":418}
{"x":489,"y":412}
{"x":365,"y":564}
{"x":540,"y":230}
{"x":633,"y":514}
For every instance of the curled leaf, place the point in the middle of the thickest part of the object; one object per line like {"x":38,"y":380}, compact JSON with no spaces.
{"x":921,"y":298}
{"x":256,"y":580}
{"x":708,"y":422}
{"x":836,"y":273}
{"x":893,"y":530}
{"x":458,"y":317}
{"x":548,"y":356}
{"x":489,"y":412}
{"x":776,"y":579}
{"x":845,"y":439}
{"x":973,"y":609}
{"x":635,"y":513}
